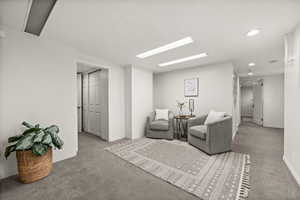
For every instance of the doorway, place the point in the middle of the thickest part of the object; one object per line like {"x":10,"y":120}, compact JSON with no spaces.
{"x":258,"y":103}
{"x":92,"y":100}
{"x":247,"y":103}
{"x":252,"y":101}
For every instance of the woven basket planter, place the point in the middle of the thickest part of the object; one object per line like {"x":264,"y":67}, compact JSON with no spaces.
{"x":33,"y":168}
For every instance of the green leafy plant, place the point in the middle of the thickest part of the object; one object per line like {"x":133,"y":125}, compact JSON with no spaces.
{"x":36,"y":139}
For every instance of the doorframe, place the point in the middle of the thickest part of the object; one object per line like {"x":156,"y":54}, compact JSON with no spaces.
{"x":81,"y":105}
{"x":261,"y":82}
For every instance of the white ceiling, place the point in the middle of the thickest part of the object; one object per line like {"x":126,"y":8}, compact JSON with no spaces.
{"x":13,"y":13}
{"x":118,"y":30}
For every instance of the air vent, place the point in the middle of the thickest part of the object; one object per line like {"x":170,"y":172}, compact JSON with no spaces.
{"x":38,"y":15}
{"x":273,"y":61}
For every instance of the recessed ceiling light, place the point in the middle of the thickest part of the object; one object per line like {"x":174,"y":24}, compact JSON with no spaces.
{"x":201,"y":55}
{"x":250,"y":73}
{"x":166,"y":47}
{"x":253,"y":32}
{"x":251,"y":64}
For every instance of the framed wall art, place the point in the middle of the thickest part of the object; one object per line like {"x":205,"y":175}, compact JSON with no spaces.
{"x":191,"y":87}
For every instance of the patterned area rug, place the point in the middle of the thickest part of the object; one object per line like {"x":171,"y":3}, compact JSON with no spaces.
{"x":219,"y":177}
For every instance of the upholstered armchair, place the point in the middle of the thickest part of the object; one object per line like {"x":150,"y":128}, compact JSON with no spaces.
{"x":212,"y":138}
{"x":160,"y":129}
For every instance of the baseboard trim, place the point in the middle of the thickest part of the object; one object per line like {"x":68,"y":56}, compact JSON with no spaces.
{"x":292,"y":170}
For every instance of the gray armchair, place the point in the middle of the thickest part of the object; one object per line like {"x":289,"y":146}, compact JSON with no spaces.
{"x":160,"y":129}
{"x":212,"y":138}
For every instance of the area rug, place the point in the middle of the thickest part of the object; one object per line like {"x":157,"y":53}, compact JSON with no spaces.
{"x":219,"y":177}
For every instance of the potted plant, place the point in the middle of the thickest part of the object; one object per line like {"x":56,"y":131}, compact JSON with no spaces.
{"x":34,"y":151}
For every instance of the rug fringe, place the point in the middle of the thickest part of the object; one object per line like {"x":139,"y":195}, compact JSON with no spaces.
{"x":245,"y":185}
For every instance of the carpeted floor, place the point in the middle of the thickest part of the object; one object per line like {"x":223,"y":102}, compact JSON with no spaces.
{"x":98,"y":174}
{"x":222,"y":176}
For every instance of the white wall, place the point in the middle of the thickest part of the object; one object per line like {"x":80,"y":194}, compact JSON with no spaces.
{"x":273,"y":97}
{"x":215,"y":88}
{"x":38,"y":85}
{"x":142,"y":100}
{"x":139,"y":100}
{"x":291,"y":103}
{"x":128,"y":101}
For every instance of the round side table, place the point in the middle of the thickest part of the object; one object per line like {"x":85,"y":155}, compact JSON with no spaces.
{"x":181,"y":126}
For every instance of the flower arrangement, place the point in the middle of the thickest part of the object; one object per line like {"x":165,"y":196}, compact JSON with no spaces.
{"x":180,"y":105}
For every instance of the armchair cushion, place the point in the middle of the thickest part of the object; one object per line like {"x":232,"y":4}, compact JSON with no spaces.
{"x":214,"y":116}
{"x":161,"y":114}
{"x":199,"y":131}
{"x":161,"y":125}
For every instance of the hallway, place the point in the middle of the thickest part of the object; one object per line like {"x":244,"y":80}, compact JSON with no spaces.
{"x":269,"y":176}
{"x":97,"y":174}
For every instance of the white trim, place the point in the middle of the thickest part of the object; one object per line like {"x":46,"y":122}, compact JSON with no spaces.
{"x":234,"y":134}
{"x":292,"y":170}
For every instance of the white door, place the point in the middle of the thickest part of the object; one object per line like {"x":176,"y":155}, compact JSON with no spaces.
{"x":247,"y":101}
{"x":258,"y":103}
{"x":94,"y":103}
{"x":79,"y":102}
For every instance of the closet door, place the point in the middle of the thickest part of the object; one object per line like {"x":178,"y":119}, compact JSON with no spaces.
{"x":94,"y":104}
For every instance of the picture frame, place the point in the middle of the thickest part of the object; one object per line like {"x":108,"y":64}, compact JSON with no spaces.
{"x":191,"y":87}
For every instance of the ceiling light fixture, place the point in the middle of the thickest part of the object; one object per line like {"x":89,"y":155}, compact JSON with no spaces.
{"x":253,"y":32}
{"x":166,"y":47}
{"x":251,"y":64}
{"x":250,"y":73}
{"x":201,"y":55}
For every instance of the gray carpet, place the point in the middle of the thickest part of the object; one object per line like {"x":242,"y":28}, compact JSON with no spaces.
{"x":98,"y":174}
{"x":222,"y":176}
